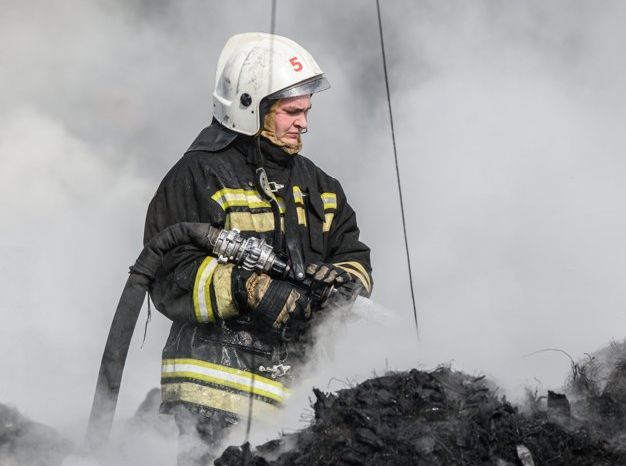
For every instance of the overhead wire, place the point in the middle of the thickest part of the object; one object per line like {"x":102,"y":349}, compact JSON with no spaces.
{"x":395,"y":156}
{"x":251,"y":393}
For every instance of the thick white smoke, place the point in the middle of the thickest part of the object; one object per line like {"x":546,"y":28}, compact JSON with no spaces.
{"x":509,"y":126}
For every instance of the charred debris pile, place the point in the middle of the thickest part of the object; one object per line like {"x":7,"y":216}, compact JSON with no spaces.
{"x":24,"y":442}
{"x":442,"y":417}
{"x":445,"y":417}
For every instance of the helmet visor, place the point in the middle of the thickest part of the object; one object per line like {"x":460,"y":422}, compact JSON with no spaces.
{"x":310,"y":86}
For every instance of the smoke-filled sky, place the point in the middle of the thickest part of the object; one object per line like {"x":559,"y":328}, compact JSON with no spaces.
{"x":509,"y":121}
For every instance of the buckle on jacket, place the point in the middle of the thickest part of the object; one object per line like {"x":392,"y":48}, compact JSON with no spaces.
{"x":274,"y":186}
{"x":276,"y":371}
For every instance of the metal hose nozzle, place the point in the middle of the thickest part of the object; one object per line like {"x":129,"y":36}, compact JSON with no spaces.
{"x":229,"y":246}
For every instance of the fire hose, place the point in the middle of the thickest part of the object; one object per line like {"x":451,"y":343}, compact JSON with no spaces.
{"x":254,"y":254}
{"x":228,"y":246}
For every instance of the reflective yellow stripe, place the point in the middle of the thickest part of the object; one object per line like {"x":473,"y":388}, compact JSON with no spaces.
{"x":298,"y":197}
{"x":360,"y":272}
{"x":210,"y":397}
{"x":201,"y":291}
{"x":229,"y":197}
{"x":220,"y":367}
{"x":223,"y":375}
{"x":222,"y":290}
{"x":328,"y":219}
{"x":247,"y":221}
{"x":329,"y":200}
{"x":281,"y":204}
{"x":301,"y":216}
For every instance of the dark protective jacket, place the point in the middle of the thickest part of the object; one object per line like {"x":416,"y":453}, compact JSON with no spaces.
{"x":216,"y":358}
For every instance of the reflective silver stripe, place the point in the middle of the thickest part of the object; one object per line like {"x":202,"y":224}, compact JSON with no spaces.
{"x":222,"y":375}
{"x":329,"y":200}
{"x":228,"y":197}
{"x":205,"y":309}
{"x":298,"y":197}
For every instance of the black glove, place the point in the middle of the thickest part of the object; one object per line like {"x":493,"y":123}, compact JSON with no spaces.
{"x":323,"y":277}
{"x":274,"y":302}
{"x":324,"y":274}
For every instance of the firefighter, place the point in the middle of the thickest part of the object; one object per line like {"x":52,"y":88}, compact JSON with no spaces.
{"x":245,"y":172}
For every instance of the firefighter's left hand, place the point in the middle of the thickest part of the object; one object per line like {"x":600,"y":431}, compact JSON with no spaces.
{"x":323,"y":278}
{"x":324,"y":274}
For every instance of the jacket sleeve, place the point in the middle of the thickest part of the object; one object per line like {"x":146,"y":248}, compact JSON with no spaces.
{"x":190,"y":285}
{"x":345,"y":249}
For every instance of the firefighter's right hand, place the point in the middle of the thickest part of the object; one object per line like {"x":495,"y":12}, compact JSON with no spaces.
{"x":272,"y":301}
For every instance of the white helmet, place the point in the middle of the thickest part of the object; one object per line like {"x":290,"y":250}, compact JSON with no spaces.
{"x":254,"y":66}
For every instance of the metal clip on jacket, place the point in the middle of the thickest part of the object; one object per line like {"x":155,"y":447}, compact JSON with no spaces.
{"x":276,"y":371}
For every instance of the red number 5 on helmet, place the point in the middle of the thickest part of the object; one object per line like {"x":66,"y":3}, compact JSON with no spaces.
{"x":297,"y":66}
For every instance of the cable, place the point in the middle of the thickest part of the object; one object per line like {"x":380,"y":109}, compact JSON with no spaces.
{"x":395,"y":155}
{"x":251,"y":399}
{"x":273,"y":21}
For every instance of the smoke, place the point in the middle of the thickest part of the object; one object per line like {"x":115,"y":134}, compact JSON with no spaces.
{"x":517,"y":186}
{"x":509,"y":128}
{"x":347,"y":349}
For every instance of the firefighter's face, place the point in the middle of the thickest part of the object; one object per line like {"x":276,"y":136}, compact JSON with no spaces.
{"x":291,"y":118}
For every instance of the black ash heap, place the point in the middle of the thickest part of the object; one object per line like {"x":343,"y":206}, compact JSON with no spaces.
{"x":24,"y":442}
{"x":445,"y":417}
{"x":442,"y":417}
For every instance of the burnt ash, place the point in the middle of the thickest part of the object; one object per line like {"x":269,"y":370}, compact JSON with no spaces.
{"x":24,"y":442}
{"x":443,"y":417}
{"x":605,"y":410}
